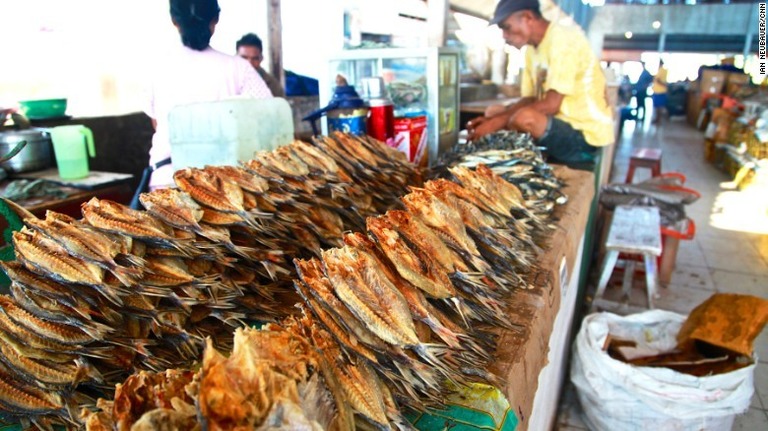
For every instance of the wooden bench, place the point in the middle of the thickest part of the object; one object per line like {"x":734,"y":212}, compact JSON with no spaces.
{"x":633,"y":230}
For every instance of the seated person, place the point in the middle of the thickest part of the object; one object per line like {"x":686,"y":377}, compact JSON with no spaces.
{"x":563,"y":87}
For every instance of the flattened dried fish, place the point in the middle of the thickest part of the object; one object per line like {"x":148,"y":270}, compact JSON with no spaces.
{"x":447,"y":222}
{"x":116,"y":218}
{"x":418,"y":269}
{"x":50,"y":259}
{"x":369,"y":295}
{"x":20,"y":399}
{"x":60,"y":333}
{"x":246,"y":180}
{"x":174,"y":207}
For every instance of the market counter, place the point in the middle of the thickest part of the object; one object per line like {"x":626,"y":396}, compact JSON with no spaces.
{"x":531,"y":359}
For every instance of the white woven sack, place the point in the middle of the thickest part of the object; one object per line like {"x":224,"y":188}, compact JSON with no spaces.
{"x":617,"y":396}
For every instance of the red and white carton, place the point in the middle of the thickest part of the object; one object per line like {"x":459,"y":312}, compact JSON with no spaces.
{"x":411,"y":138}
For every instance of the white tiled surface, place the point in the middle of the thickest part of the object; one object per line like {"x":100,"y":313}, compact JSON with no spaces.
{"x":719,"y":259}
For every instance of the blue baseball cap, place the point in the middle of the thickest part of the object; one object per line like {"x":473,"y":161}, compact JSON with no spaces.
{"x":505,"y":8}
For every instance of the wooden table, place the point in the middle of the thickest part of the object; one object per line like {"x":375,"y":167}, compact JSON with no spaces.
{"x":531,"y":359}
{"x":114,"y":187}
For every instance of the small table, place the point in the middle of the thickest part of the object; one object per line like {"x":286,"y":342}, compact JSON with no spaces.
{"x":633,"y":230}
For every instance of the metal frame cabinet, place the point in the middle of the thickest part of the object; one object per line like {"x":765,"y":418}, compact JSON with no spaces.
{"x":435,"y":70}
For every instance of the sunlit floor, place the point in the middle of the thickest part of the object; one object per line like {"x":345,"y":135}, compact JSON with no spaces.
{"x":729,"y":252}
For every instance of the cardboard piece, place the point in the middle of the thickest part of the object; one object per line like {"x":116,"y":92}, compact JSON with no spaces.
{"x":725,"y":320}
{"x":712,"y":81}
{"x":522,"y":351}
{"x":738,"y":78}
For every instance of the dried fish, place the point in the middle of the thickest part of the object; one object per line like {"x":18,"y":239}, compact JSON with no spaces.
{"x":174,"y":207}
{"x":57,"y":332}
{"x":45,"y":257}
{"x":20,"y":399}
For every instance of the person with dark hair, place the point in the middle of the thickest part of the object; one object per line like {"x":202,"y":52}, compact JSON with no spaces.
{"x":250,"y":48}
{"x":641,"y":90}
{"x":563,"y":87}
{"x":193,"y":72}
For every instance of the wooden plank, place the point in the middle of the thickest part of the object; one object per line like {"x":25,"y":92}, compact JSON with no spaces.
{"x":635,"y":229}
{"x":274,"y":17}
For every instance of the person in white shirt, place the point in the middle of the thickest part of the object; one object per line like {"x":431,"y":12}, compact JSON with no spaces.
{"x":193,"y":72}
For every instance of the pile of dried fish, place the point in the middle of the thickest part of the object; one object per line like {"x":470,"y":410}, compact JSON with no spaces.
{"x":289,"y":377}
{"x":411,"y":303}
{"x":389,"y":319}
{"x":414,"y":298}
{"x":514,"y":157}
{"x":122,"y":290}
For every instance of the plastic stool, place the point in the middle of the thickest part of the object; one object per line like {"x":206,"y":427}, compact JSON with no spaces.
{"x":634,"y":230}
{"x":644,"y":158}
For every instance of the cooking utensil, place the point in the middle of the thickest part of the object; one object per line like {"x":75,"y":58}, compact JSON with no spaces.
{"x":14,"y":151}
{"x":35,"y":155}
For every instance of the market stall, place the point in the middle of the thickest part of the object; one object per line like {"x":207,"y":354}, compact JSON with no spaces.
{"x":531,"y":318}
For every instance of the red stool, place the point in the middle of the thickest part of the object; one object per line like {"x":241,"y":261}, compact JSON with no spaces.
{"x":644,"y":158}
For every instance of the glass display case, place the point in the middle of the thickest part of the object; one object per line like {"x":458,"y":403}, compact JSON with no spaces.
{"x":423,"y":83}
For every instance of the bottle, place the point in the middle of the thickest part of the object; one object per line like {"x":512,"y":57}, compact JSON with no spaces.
{"x":381,"y":114}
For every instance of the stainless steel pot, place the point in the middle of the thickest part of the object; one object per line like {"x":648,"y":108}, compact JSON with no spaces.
{"x":36,"y":155}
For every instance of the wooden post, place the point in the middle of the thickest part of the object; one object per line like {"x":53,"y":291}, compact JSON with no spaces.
{"x":437,"y":12}
{"x":275,"y":40}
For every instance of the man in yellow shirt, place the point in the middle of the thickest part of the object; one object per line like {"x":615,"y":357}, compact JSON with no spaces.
{"x":563,"y":87}
{"x":660,"y":93}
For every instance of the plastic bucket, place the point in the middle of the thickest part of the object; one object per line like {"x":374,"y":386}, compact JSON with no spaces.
{"x":72,"y":145}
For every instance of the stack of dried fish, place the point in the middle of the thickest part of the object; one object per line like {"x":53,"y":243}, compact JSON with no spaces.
{"x":266,"y":378}
{"x":415,"y":298}
{"x":120,"y":289}
{"x":389,"y":319}
{"x":289,"y":377}
{"x":382,"y":173}
{"x":514,"y":157}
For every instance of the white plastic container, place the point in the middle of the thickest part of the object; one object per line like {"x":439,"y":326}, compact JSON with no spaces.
{"x":227,"y":131}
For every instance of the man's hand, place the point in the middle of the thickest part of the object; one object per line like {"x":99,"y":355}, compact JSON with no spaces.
{"x":481,"y":126}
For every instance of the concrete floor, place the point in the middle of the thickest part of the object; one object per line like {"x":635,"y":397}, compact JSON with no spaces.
{"x":728,"y":254}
